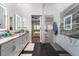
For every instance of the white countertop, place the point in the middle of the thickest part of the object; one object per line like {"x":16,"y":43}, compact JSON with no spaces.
{"x":6,"y":39}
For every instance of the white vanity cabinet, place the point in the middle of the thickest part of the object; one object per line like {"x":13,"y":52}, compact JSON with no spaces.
{"x":14,"y":46}
{"x":71,"y":45}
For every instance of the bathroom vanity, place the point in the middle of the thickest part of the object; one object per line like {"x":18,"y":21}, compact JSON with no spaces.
{"x":13,"y":45}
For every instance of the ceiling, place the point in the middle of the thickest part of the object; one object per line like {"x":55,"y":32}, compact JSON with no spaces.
{"x":30,"y":8}
{"x":26,"y":9}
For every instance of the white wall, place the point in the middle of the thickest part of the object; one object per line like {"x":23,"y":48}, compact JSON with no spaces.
{"x":55,"y":9}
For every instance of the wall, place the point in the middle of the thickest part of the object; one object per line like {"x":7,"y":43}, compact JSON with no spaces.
{"x":55,"y":10}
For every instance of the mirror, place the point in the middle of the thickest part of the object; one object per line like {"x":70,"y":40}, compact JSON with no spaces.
{"x":18,"y":22}
{"x":12,"y":23}
{"x":68,"y":22}
{"x":3,"y":18}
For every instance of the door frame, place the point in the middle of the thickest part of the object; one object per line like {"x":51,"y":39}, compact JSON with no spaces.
{"x":51,"y":38}
{"x":40,"y":26}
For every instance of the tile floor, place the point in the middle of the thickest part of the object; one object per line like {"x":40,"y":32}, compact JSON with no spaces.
{"x":30,"y":50}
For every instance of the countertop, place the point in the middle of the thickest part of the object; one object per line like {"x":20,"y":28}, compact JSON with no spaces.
{"x":6,"y":39}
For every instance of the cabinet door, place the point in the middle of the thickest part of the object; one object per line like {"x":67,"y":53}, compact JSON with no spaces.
{"x":8,"y":48}
{"x":20,"y":43}
{"x":16,"y":44}
{"x":27,"y":37}
{"x":23,"y":40}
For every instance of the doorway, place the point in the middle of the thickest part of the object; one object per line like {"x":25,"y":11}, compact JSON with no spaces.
{"x":48,"y":28}
{"x":35,"y":28}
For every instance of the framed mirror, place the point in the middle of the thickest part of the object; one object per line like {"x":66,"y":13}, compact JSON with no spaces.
{"x":12,"y":23}
{"x":18,"y":22}
{"x":68,"y":22}
{"x":3,"y":18}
